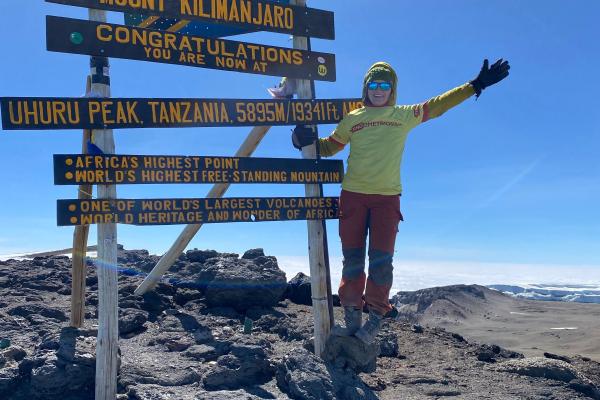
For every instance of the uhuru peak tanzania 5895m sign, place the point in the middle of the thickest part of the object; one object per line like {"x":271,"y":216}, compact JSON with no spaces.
{"x":102,"y":39}
{"x":254,"y":14}
{"x":194,"y":211}
{"x":76,"y":169}
{"x":112,"y":113}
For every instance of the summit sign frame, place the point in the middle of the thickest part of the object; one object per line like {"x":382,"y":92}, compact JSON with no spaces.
{"x":254,"y":14}
{"x":67,"y":35}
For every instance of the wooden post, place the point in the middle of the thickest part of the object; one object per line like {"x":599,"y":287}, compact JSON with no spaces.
{"x":246,"y":149}
{"x":106,"y":265}
{"x":316,"y":252}
{"x":80,"y":238}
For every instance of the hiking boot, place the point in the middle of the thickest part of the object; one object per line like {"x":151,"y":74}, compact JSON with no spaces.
{"x":352,"y":320}
{"x":370,"y":329}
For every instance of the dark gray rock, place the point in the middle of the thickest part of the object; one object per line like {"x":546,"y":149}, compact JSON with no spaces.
{"x":350,"y":352}
{"x":54,"y":380}
{"x":185,"y":295}
{"x":190,"y":392}
{"x":253,"y":253}
{"x":485,"y":355}
{"x":540,"y":367}
{"x":203,"y":352}
{"x":492,"y":353}
{"x":132,"y":257}
{"x":557,"y":357}
{"x":31,"y":309}
{"x":14,"y":353}
{"x":159,"y":368}
{"x":155,"y":303}
{"x":246,"y":364}
{"x":302,"y":375}
{"x":9,"y":378}
{"x":241,"y":283}
{"x":200,"y":256}
{"x":585,"y":387}
{"x":388,"y":344}
{"x":131,"y":320}
{"x":299,"y":289}
{"x":29,"y":363}
{"x":76,"y":349}
{"x":173,"y":341}
{"x":130,"y":301}
{"x":458,"y":337}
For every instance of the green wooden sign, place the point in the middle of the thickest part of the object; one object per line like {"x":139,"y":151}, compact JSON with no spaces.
{"x":194,"y":211}
{"x":78,"y":169}
{"x":68,"y":35}
{"x":253,"y":14}
{"x":42,"y":113}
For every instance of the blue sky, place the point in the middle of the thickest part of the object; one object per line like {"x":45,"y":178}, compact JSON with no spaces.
{"x":511,"y":178}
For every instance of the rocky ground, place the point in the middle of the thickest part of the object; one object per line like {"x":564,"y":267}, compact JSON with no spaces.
{"x":186,"y":340}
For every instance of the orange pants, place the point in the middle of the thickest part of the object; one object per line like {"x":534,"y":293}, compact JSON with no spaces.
{"x":377,"y":215}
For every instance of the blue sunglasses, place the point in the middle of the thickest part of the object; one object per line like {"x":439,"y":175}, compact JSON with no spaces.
{"x":385,"y":86}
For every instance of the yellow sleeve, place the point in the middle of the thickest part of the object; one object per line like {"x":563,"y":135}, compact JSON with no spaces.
{"x":438,"y":105}
{"x":336,"y":141}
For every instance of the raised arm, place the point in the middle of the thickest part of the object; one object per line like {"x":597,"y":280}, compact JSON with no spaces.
{"x":438,"y":105}
{"x":488,"y":76}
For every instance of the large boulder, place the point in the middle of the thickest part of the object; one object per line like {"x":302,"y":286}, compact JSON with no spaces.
{"x":240,"y":283}
{"x":350,"y":352}
{"x":557,"y":370}
{"x":302,"y":375}
{"x":299,"y":289}
{"x":539,"y":367}
{"x":246,"y":364}
{"x":9,"y":376}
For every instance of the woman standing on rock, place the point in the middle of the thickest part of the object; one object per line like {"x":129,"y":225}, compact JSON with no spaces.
{"x":370,"y":198}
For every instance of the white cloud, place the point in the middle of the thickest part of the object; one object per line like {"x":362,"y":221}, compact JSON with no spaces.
{"x":414,"y":274}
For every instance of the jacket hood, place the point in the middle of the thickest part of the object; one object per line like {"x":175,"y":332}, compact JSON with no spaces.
{"x":377,"y":69}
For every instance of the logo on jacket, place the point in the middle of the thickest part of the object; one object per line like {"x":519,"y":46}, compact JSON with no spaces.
{"x":373,"y":124}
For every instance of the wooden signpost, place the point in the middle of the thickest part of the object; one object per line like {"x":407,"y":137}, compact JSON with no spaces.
{"x":253,"y":14}
{"x":317,"y":254}
{"x":98,"y":114}
{"x":80,"y":240}
{"x":48,"y":113}
{"x":67,"y":35}
{"x":107,"y":344}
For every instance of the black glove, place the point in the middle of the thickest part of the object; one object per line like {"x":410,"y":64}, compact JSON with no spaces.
{"x":490,"y":75}
{"x":303,"y":136}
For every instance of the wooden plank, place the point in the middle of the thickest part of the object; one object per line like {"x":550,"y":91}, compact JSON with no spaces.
{"x":43,"y":113}
{"x":316,"y":252}
{"x":185,"y":237}
{"x":75,"y":169}
{"x":194,"y":210}
{"x":80,"y":240}
{"x":255,"y":14}
{"x":56,"y":252}
{"x":107,"y":343}
{"x":69,"y":35}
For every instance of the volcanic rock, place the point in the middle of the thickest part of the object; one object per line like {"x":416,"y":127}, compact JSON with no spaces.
{"x":131,"y":320}
{"x":351,"y":352}
{"x":302,"y":375}
{"x":242,"y":283}
{"x":299,"y":289}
